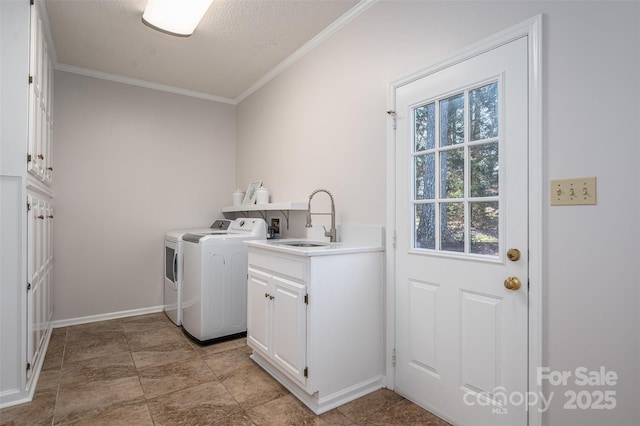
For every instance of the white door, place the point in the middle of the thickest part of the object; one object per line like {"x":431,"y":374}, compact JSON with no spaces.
{"x":461,"y":206}
{"x":258,"y":318}
{"x":290,"y":327}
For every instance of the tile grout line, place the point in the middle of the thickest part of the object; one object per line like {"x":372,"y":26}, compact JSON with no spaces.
{"x":55,"y":402}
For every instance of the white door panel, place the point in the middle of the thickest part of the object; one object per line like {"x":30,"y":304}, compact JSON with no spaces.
{"x":460,"y":334}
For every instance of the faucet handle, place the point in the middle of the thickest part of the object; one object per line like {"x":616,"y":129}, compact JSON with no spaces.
{"x":329,"y":233}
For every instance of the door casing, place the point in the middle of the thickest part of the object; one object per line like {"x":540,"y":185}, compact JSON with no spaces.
{"x":532,"y":29}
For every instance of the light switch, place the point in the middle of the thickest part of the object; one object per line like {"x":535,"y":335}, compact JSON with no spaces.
{"x":573,"y":192}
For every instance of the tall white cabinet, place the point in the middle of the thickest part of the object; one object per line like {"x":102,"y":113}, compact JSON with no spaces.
{"x":26,"y":197}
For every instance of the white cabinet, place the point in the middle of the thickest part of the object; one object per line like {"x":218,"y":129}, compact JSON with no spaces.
{"x":315,"y":323}
{"x":277,"y":319}
{"x":39,"y":275}
{"x":26,"y":200}
{"x":40,"y":103}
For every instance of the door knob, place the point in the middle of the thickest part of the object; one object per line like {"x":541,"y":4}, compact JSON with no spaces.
{"x":512,"y":283}
{"x":513,"y":254}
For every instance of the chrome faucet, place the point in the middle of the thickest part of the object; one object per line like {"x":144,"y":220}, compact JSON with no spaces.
{"x":331,"y":233}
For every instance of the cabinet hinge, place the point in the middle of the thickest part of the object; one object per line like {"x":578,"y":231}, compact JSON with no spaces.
{"x":306,"y":372}
{"x":28,"y":158}
{"x":28,"y":206}
{"x":393,"y":357}
{"x":31,"y":77}
{"x":28,"y":366}
{"x":32,"y":2}
{"x":28,"y":286}
{"x":306,"y":299}
{"x":395,"y":238}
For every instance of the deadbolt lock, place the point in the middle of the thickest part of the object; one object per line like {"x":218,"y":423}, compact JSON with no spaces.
{"x":513,"y":254}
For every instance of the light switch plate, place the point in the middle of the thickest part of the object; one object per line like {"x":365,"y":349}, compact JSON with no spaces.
{"x":573,"y":192}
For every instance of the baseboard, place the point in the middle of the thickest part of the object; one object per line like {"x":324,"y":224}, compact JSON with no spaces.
{"x":16,"y":396}
{"x":107,"y":316}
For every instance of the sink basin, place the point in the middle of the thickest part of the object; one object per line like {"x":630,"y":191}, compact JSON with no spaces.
{"x":303,"y":244}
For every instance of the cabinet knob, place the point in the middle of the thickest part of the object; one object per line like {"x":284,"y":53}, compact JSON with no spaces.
{"x":266,"y":295}
{"x":40,"y":217}
{"x":271,"y":297}
{"x":40,"y":156}
{"x":50,"y":216}
{"x":50,"y":168}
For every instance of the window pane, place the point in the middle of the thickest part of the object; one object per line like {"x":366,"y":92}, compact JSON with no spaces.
{"x":425,"y":226}
{"x":425,"y":131}
{"x":483,"y":167}
{"x":484,"y":227}
{"x":452,"y":173}
{"x":425,"y":173}
{"x":452,"y":120}
{"x":483,"y":112}
{"x":452,"y":227}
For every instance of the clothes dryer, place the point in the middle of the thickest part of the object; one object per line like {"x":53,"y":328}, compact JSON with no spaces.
{"x":214,"y":303}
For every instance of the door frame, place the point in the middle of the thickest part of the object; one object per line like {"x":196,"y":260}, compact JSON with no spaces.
{"x":531,"y":28}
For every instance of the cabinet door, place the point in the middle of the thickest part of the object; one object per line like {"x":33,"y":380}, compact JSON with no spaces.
{"x":40,"y":103}
{"x":39,"y":274}
{"x":258,"y":320}
{"x":289,"y":327}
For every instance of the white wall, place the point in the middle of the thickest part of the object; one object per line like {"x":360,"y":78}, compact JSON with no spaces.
{"x":130,"y":164}
{"x":322,"y":123}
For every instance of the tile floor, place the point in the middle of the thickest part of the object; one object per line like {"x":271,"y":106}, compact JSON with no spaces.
{"x":144,"y":371}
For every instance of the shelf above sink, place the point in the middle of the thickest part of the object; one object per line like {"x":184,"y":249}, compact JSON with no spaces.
{"x":262,"y":209}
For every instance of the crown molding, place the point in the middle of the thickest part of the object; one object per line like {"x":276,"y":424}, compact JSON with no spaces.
{"x":142,"y":83}
{"x":353,"y":13}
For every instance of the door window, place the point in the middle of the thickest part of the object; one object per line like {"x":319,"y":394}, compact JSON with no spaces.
{"x":456,"y":206}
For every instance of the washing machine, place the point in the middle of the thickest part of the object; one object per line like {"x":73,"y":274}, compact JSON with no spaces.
{"x":214,"y":281}
{"x":173,"y":266}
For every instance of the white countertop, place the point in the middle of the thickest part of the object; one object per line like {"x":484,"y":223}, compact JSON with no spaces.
{"x":326,"y":249}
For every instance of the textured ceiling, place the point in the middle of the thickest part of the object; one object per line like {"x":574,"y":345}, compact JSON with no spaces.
{"x":236,"y":44}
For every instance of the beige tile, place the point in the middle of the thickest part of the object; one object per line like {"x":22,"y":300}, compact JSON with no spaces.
{"x":92,"y":398}
{"x":135,"y":413}
{"x":37,"y":412}
{"x":286,"y":410}
{"x":140,"y":339}
{"x":238,"y":419}
{"x":251,"y":386}
{"x":333,"y":418}
{"x":96,"y":345}
{"x":219,"y":347}
{"x":169,"y":378}
{"x":55,"y":350}
{"x":360,"y":409}
{"x":147,"y":322}
{"x":405,"y":412}
{"x":186,"y":383}
{"x":48,"y":380}
{"x":100,"y":368}
{"x":82,"y":331}
{"x":225,"y":363}
{"x":201,"y":404}
{"x":163,"y":354}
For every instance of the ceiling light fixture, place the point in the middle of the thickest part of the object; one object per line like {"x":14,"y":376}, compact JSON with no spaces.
{"x":175,"y":17}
